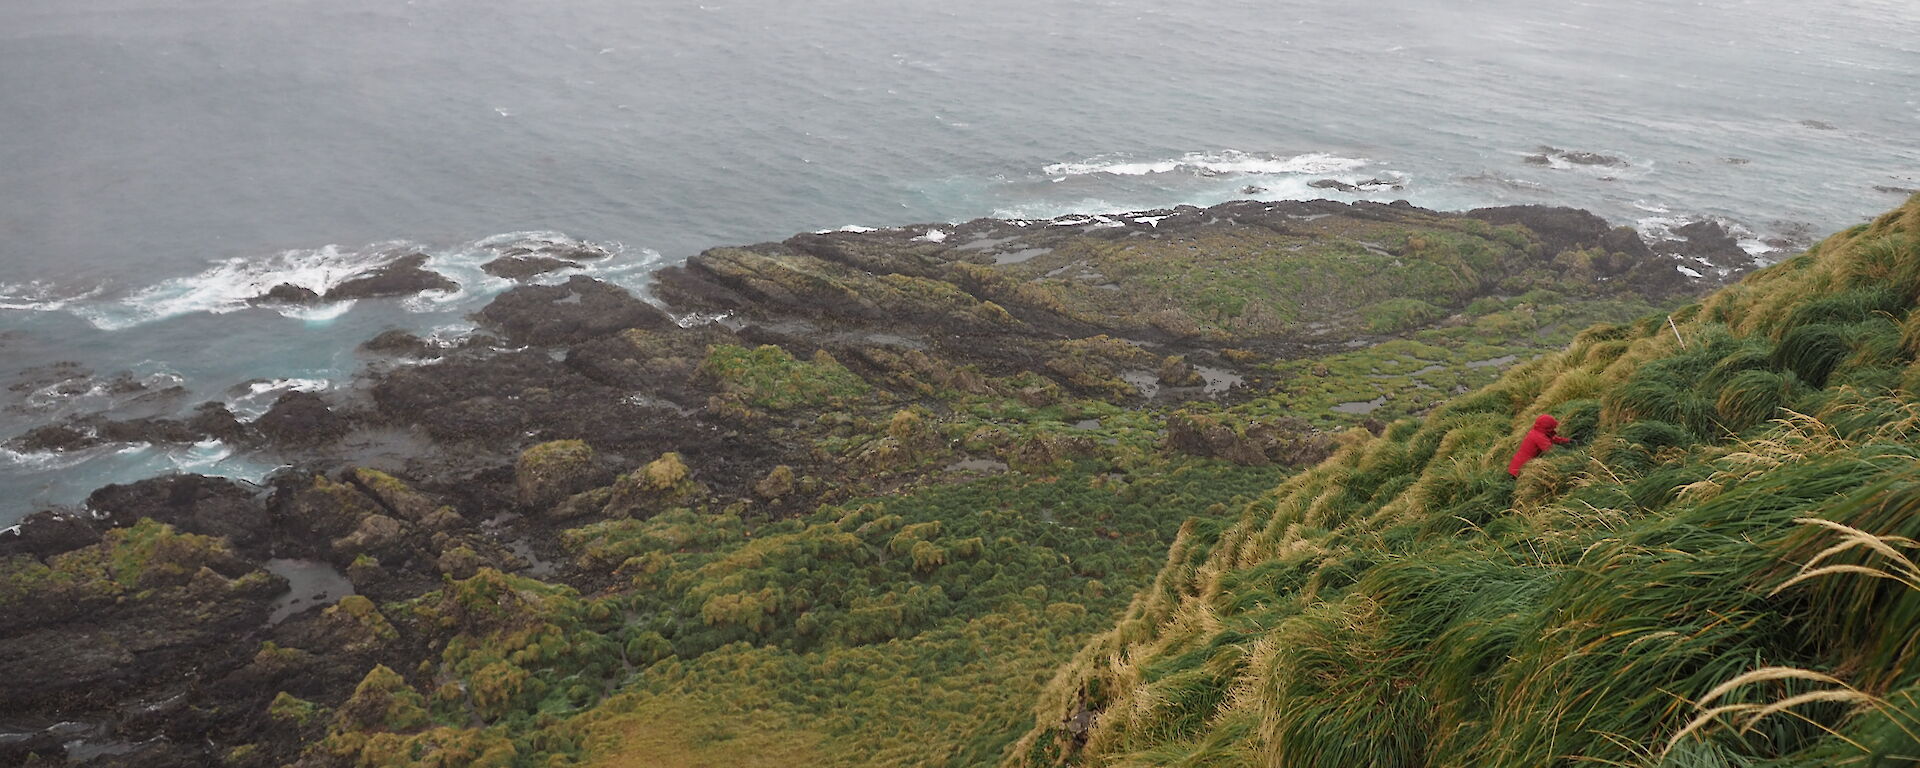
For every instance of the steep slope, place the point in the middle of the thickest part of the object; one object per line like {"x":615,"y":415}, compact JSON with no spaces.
{"x":1650,"y":595}
{"x":846,"y":499}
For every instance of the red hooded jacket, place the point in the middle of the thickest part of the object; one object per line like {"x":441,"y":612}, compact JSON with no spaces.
{"x":1538,"y":440}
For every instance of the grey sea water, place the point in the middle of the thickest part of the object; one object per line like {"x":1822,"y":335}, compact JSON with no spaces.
{"x":163,"y":160}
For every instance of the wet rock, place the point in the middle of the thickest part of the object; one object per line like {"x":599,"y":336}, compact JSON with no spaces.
{"x":1357,"y":187}
{"x":558,"y":249}
{"x":1710,"y":240}
{"x":209,"y":506}
{"x":1819,"y":125}
{"x":288,"y":293}
{"x":47,"y":533}
{"x":56,"y":437}
{"x":216,"y":420}
{"x":1545,"y":155}
{"x":1892,"y":190}
{"x":524,"y":267}
{"x":301,"y":418}
{"x":151,"y":430}
{"x":575,"y":311}
{"x":404,"y":276}
{"x":399,"y":343}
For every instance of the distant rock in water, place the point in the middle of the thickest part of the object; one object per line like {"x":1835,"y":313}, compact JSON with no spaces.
{"x":404,"y":276}
{"x":523,"y":267}
{"x":559,"y":250}
{"x":1546,"y":155}
{"x":1357,"y":187}
{"x":1819,"y":125}
{"x":399,"y":343}
{"x":288,"y":293}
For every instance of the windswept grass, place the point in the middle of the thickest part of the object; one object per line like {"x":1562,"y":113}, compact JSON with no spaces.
{"x":1720,"y":573}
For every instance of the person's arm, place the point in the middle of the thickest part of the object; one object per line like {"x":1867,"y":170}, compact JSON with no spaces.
{"x":1558,"y":440}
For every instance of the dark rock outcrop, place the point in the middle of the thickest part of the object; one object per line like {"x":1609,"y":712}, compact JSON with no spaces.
{"x":580,"y":309}
{"x":404,"y":276}
{"x":399,"y":343}
{"x":49,"y":532}
{"x":288,"y":293}
{"x":209,"y":506}
{"x":1545,"y":155}
{"x":301,"y":418}
{"x":524,"y":267}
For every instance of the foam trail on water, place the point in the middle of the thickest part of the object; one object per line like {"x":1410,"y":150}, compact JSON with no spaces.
{"x":1218,"y":162}
{"x":39,"y":296}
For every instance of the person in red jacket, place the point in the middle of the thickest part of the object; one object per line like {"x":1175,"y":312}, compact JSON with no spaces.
{"x":1538,"y":440}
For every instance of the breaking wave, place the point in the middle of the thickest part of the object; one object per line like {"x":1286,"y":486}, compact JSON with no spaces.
{"x":1210,"y":163}
{"x":232,"y":285}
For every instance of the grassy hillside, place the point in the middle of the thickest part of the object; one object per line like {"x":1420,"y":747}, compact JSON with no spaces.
{"x":1713,"y":574}
{"x":862,"y":522}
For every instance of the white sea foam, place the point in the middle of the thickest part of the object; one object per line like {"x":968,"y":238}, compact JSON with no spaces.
{"x":287,"y":385}
{"x":1688,"y":271}
{"x":39,"y":296}
{"x":1659,"y":227}
{"x":47,"y":460}
{"x":203,"y":455}
{"x":1207,"y":163}
{"x":231,"y":285}
{"x":1153,"y":221}
{"x":258,"y":396}
{"x":317,"y":314}
{"x":697,"y":319}
{"x":932,"y":236}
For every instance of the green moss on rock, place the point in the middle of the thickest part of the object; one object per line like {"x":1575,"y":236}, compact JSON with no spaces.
{"x":548,"y":473}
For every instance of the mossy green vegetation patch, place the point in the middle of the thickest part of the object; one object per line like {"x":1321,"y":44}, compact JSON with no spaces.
{"x":768,"y":377}
{"x":853,"y":627}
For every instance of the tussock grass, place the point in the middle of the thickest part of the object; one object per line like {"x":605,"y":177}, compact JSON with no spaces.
{"x":1722,"y":573}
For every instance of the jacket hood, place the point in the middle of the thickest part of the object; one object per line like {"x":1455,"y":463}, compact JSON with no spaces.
{"x":1546,"y":424}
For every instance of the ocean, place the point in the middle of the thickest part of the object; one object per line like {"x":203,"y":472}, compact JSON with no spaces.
{"x":162,"y":161}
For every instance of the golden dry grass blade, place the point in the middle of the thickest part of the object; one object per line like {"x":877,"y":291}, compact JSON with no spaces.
{"x":1765,"y":674}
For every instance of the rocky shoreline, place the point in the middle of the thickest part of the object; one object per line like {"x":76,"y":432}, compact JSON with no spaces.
{"x":156,"y":626}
